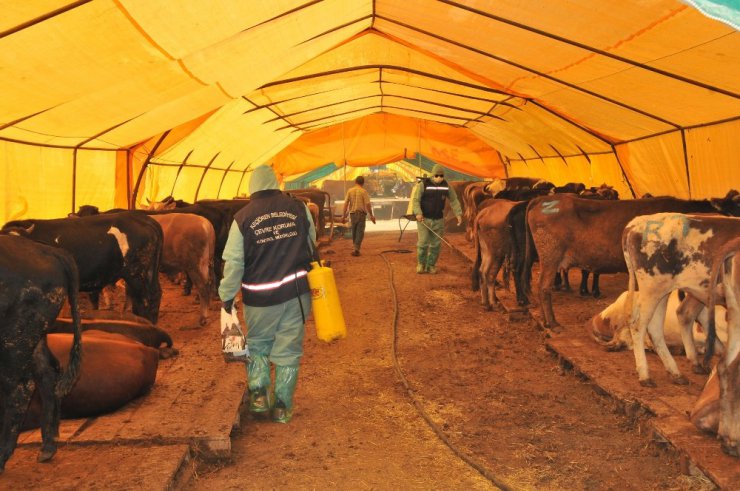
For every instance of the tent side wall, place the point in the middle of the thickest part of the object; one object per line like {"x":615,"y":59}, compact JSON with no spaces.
{"x":45,"y":182}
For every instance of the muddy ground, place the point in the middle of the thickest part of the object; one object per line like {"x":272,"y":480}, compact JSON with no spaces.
{"x":507,"y":412}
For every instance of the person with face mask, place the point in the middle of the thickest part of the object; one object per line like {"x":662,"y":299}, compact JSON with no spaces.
{"x":428,"y":205}
{"x":267,"y":257}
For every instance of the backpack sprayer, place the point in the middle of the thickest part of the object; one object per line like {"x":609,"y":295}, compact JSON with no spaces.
{"x":327,"y":311}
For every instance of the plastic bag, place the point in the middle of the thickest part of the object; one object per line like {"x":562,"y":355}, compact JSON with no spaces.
{"x":233,"y":342}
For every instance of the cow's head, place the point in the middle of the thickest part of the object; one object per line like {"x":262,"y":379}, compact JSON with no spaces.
{"x":729,"y":205}
{"x":20,"y":228}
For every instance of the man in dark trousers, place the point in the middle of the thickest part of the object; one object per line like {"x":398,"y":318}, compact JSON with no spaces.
{"x":267,"y":257}
{"x":357,"y":204}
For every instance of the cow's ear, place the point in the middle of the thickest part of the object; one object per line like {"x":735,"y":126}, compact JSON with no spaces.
{"x":29,"y":230}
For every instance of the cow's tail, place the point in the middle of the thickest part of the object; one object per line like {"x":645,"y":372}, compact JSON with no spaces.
{"x":732,"y":248}
{"x":69,"y":377}
{"x":526,"y":273}
{"x":629,"y":304}
{"x":475,"y":275}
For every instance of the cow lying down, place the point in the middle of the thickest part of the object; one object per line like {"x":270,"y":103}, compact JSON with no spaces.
{"x":115,"y":369}
{"x":133,"y":327}
{"x":680,"y":316}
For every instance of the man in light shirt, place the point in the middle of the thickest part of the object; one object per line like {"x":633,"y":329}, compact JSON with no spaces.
{"x":357,"y":205}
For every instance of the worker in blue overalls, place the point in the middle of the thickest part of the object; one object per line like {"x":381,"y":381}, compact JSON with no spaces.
{"x":267,"y":256}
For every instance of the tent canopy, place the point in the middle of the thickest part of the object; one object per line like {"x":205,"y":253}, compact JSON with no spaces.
{"x":109,"y":102}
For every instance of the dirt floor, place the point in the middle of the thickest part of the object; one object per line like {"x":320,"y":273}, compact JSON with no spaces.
{"x":502,"y":409}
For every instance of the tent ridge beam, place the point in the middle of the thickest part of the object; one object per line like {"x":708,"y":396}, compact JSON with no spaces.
{"x":301,"y":125}
{"x":592,"y":49}
{"x":536,"y":72}
{"x":457,"y":108}
{"x":42,"y":18}
{"x":376,"y":67}
{"x":560,"y":156}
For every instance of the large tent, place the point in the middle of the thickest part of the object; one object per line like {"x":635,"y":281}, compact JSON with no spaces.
{"x":112,"y":102}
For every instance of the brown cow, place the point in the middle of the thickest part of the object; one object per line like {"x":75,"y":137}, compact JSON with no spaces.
{"x":189,"y":243}
{"x":666,"y":252}
{"x":568,"y":231}
{"x":322,"y":200}
{"x":114,"y":370}
{"x":727,"y":262}
{"x":492,"y":247}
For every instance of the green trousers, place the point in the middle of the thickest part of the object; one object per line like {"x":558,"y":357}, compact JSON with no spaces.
{"x":428,"y":244}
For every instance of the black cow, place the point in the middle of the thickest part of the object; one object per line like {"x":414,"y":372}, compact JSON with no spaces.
{"x":322,"y":199}
{"x":106,"y":248}
{"x":35,"y":280}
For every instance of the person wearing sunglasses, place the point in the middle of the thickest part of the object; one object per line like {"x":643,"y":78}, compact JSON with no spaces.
{"x":428,"y":205}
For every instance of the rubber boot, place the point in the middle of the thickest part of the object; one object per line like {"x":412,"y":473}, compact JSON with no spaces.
{"x":286,"y":378}
{"x":258,"y":370}
{"x":421,"y":259}
{"x":432,"y":259}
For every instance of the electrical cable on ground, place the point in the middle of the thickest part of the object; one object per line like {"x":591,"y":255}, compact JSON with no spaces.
{"x":419,"y":408}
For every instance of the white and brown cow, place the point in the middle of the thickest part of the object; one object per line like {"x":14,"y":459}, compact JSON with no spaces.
{"x":684,"y":327}
{"x":666,"y":252}
{"x":189,"y":243}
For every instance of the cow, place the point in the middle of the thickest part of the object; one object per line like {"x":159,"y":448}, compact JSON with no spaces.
{"x":35,"y":281}
{"x":681,"y":329}
{"x":473,"y":195}
{"x":188,"y":247}
{"x":450,"y":219}
{"x":510,"y":183}
{"x":568,"y":231}
{"x":107,"y":247}
{"x":726,"y":261}
{"x":705,"y":414}
{"x":665,"y":252}
{"x":492,"y":248}
{"x":114,"y":370}
{"x":602,"y":192}
{"x":571,"y":187}
{"x":129,"y":325}
{"x":220,"y":217}
{"x":516,"y":221}
{"x":322,"y":199}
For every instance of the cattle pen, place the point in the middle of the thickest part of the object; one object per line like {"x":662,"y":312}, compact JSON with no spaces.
{"x":488,"y":380}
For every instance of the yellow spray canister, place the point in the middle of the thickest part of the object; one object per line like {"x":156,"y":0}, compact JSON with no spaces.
{"x":327,"y":311}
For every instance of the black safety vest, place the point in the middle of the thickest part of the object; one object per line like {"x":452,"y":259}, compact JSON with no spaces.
{"x":433,"y":198}
{"x":276,"y":255}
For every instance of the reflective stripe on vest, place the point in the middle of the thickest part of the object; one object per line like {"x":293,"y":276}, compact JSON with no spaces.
{"x":275,"y":284}
{"x":438,"y":188}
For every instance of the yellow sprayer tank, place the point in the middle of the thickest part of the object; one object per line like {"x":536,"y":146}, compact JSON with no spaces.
{"x":327,"y":311}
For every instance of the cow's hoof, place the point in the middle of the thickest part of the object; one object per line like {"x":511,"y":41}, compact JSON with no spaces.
{"x":487,"y":308}
{"x":46,"y":455}
{"x":584,"y":293}
{"x":165,"y":353}
{"x":648,"y":382}
{"x":614,"y":347}
{"x":680,"y":380}
{"x":203,"y":321}
{"x":597,"y":295}
{"x":728,"y":447}
{"x":699,"y":369}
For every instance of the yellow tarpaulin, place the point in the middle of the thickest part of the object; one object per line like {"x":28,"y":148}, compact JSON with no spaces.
{"x":113,"y":102}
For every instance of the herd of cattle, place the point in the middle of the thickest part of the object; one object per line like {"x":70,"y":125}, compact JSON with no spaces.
{"x":665,"y":244}
{"x":44,"y":263}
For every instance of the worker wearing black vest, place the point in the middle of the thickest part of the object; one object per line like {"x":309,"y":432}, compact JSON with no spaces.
{"x":267,"y":257}
{"x":428,"y":205}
